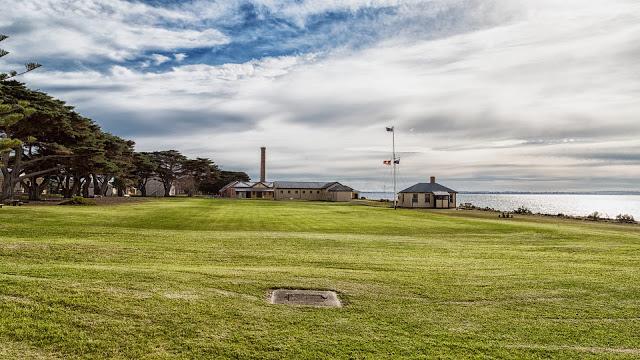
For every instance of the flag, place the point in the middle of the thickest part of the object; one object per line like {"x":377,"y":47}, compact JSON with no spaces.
{"x":387,"y":162}
{"x":390,"y":128}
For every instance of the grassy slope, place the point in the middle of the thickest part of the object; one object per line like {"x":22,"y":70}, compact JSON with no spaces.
{"x":188,"y":278}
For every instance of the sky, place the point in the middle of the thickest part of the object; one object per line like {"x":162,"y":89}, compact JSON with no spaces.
{"x":486,"y":95}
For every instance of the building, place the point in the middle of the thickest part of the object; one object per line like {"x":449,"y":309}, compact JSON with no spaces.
{"x":287,"y":190}
{"x":313,"y":191}
{"x":429,"y":195}
{"x":253,"y":190}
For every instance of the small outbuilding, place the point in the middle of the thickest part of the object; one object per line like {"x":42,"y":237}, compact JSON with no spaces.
{"x":429,"y":195}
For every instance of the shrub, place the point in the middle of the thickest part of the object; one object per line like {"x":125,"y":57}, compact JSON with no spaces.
{"x":523,"y":211}
{"x":78,"y":200}
{"x":594,"y":216}
{"x":625,"y":218}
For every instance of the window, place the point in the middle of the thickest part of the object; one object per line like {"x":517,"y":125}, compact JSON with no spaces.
{"x":281,"y":191}
{"x":303,"y":191}
{"x":318,"y":192}
{"x":427,"y":198}
{"x":288,"y":191}
{"x":296,"y":191}
{"x":415,"y":198}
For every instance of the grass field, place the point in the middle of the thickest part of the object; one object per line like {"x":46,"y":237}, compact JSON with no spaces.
{"x":188,"y":278}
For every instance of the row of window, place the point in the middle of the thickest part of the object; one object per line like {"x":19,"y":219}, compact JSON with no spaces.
{"x":427,"y":198}
{"x":296,"y":191}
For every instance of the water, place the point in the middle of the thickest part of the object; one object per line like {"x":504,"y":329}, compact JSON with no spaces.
{"x":568,"y":204}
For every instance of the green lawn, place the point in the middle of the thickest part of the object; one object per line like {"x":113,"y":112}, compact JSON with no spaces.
{"x":185,"y":278}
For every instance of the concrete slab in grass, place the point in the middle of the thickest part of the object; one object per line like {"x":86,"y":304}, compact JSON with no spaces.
{"x":302,"y":297}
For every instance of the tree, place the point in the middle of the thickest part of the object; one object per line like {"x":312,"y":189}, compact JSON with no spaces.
{"x":116,"y":160}
{"x":39,"y":135}
{"x":144,"y":168}
{"x":169,"y":166}
{"x":198,"y":171}
{"x":30,"y":66}
{"x":224,"y":178}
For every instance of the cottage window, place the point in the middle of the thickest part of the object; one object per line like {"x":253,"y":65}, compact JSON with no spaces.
{"x":415,"y":198}
{"x":318,"y":192}
{"x":427,"y":198}
{"x":296,"y":191}
{"x":288,"y":191}
{"x":303,"y":191}
{"x":281,"y":191}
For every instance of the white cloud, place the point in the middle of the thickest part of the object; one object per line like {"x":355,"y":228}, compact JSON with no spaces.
{"x":491,"y":103}
{"x":179,"y":57}
{"x":95,"y":29}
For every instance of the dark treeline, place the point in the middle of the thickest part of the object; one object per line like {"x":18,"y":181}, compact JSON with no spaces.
{"x":46,"y":145}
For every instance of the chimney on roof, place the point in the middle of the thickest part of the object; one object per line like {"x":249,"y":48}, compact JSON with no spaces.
{"x":263,"y":166}
{"x":433,"y":179}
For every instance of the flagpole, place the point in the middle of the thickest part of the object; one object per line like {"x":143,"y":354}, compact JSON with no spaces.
{"x":395,"y":194}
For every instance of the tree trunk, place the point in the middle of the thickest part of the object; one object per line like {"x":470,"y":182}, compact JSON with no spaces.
{"x":143,"y":189}
{"x":4,"y":168}
{"x":85,"y":187}
{"x":167,"y":189}
{"x":66,"y":189}
{"x":75,"y":189}
{"x":97,"y":189}
{"x":105,"y":184}
{"x":10,"y":177}
{"x":34,"y":189}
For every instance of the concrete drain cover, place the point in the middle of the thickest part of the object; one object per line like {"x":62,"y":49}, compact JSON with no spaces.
{"x":305,"y":297}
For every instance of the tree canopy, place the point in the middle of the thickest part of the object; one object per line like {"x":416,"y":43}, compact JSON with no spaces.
{"x":46,"y":145}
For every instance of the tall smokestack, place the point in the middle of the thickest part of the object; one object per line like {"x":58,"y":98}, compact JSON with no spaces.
{"x":433,"y":179}
{"x":263,"y":166}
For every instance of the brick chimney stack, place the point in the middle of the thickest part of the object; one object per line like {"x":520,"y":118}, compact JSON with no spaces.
{"x":263,"y":166}
{"x":433,"y":179}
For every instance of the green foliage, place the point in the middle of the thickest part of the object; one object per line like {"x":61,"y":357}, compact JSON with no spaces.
{"x":78,"y":200}
{"x":224,"y":178}
{"x":594,"y":216}
{"x":10,"y":115}
{"x":522,"y":210}
{"x":625,"y":218}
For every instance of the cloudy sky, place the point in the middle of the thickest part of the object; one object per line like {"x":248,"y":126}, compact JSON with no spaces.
{"x":485,"y":94}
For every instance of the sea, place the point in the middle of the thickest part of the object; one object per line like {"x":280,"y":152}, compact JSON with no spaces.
{"x":569,"y":204}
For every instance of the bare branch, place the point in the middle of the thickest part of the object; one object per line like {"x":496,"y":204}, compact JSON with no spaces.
{"x":42,"y":172}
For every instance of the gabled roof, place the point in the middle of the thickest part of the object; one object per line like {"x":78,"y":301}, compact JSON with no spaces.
{"x":427,"y":188}
{"x":300,"y":185}
{"x":253,"y":185}
{"x":231,"y":184}
{"x":336,"y":187}
{"x":329,"y":186}
{"x":242,"y":184}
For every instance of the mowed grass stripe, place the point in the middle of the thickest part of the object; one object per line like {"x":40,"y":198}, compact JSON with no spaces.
{"x":188,"y":278}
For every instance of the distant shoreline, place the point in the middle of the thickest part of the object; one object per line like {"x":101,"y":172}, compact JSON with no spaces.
{"x":532,"y":192}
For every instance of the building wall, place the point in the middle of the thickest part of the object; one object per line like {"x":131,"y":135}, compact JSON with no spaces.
{"x":301,"y":194}
{"x":340,"y":196}
{"x":254,"y":195}
{"x":228,"y":193}
{"x":425,"y":200}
